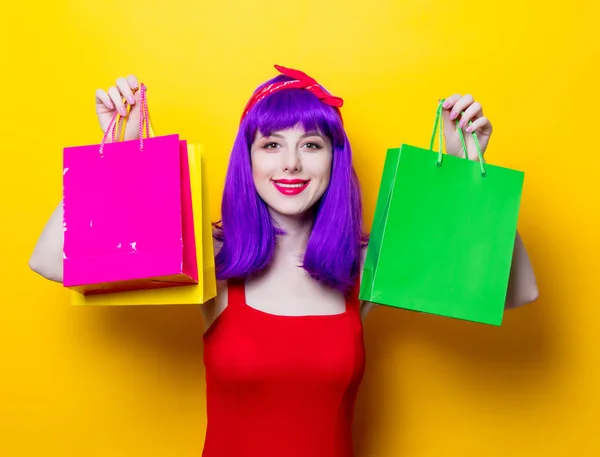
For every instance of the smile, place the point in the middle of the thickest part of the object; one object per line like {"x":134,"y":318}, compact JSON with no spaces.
{"x":290,"y":186}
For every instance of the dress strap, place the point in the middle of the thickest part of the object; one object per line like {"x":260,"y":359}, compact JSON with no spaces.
{"x":236,"y":293}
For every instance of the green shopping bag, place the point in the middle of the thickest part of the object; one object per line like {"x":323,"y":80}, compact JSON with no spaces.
{"x":443,"y":233}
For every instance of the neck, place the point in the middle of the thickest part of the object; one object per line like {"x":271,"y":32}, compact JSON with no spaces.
{"x":296,"y":231}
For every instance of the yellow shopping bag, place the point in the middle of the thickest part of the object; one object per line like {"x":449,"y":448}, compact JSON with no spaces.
{"x":206,"y":288}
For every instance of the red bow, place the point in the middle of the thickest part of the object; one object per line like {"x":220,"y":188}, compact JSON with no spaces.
{"x":301,"y":81}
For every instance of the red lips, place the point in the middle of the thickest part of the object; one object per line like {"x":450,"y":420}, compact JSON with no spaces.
{"x":290,"y":186}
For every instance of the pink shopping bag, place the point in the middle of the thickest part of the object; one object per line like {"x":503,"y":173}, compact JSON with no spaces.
{"x":127,"y":208}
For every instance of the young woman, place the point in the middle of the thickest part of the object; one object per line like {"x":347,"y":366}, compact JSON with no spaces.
{"x":284,"y":349}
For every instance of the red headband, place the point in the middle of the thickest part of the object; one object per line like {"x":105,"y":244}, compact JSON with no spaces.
{"x":300,"y":81}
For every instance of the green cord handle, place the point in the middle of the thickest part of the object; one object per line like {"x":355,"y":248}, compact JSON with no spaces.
{"x":438,"y":120}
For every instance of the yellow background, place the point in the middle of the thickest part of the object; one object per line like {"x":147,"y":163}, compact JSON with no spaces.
{"x":78,"y":381}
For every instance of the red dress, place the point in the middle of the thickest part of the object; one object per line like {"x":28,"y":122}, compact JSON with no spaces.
{"x":282,"y":386}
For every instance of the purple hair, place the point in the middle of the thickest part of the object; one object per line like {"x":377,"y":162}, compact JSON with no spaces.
{"x":246,"y":230}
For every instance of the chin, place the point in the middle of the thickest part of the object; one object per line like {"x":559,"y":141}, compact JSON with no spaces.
{"x":289,"y":208}
{"x":290,"y":211}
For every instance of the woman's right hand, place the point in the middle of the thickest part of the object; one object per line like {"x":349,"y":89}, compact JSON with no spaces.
{"x":115,"y":99}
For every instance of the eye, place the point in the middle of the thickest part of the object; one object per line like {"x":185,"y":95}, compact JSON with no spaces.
{"x":312,"y":146}
{"x":271,"y":145}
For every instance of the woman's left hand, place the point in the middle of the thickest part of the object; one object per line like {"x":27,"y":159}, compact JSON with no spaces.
{"x":471,"y":111}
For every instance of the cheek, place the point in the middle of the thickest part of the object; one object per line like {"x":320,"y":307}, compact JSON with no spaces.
{"x":321,"y":168}
{"x":260,"y":166}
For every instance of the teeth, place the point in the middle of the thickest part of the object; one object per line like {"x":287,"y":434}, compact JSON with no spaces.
{"x":290,"y":186}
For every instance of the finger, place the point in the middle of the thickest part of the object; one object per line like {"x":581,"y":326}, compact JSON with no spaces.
{"x":125,"y":89}
{"x":450,"y":101}
{"x":482,"y":125}
{"x":463,"y":103}
{"x":133,"y":82}
{"x":471,"y":113}
{"x":448,"y":124}
{"x":103,"y":98}
{"x":117,"y":99}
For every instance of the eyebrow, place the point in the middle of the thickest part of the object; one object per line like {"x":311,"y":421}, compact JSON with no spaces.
{"x":307,"y":134}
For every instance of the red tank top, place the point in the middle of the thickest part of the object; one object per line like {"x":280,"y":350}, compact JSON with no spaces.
{"x":282,"y":386}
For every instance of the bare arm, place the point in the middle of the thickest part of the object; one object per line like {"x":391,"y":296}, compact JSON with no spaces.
{"x":47,"y":257}
{"x":522,"y":285}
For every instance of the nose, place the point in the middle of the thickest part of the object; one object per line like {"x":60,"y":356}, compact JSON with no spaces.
{"x":291,"y":162}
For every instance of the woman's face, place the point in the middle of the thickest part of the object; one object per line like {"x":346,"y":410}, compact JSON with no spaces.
{"x":291,"y":169}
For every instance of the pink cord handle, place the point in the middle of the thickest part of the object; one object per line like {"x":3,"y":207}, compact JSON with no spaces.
{"x":144,"y":120}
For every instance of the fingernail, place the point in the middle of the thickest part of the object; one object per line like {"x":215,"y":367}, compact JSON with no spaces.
{"x":453,"y":115}
{"x":469,"y":129}
{"x":445,"y":105}
{"x":461,"y":124}
{"x":131,"y":100}
{"x":123,"y":111}
{"x":110,"y":105}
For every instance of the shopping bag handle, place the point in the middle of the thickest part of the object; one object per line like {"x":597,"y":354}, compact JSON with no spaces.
{"x":145,"y":127}
{"x":438,"y":121}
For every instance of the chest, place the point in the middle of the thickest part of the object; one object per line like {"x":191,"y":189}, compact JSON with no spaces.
{"x":252,"y":347}
{"x":284,"y":326}
{"x":292,"y":292}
